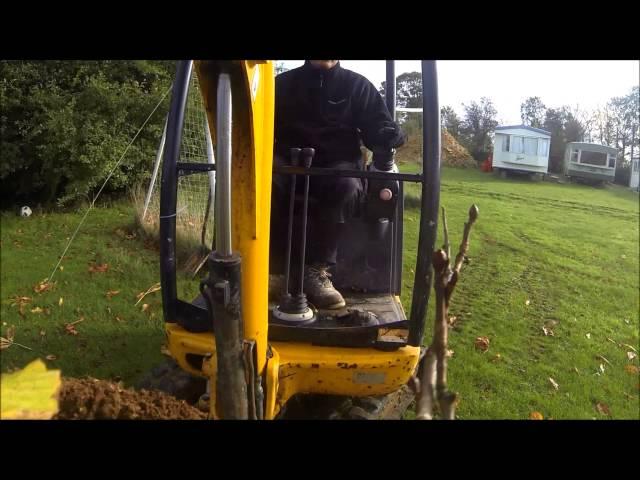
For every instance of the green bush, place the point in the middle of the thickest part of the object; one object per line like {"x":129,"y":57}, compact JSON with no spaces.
{"x":65,"y":124}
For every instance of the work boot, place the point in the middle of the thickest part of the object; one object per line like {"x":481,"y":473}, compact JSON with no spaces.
{"x":320,"y":290}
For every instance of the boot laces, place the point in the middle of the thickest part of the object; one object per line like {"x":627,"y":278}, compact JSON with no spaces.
{"x":320,"y":275}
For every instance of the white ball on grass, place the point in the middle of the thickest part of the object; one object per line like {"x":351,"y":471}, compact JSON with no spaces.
{"x":25,"y":211}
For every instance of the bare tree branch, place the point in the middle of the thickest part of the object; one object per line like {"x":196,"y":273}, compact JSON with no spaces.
{"x":433,"y":388}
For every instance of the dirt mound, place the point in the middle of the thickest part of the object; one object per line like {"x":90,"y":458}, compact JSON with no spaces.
{"x":453,"y":154}
{"x":89,"y":399}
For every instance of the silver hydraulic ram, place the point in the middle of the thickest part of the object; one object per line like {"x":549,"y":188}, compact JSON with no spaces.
{"x":222,"y":288}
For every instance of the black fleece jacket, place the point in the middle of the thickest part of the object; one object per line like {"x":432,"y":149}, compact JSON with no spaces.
{"x":331,"y":111}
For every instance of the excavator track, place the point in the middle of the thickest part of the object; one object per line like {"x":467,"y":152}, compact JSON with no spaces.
{"x":325,"y":407}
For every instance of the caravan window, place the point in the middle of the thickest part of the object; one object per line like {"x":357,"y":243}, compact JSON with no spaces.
{"x":635,"y":165}
{"x":543,"y":147}
{"x":575,"y":155}
{"x":517,"y":145}
{"x":530,"y":146}
{"x":612,"y":161}
{"x":594,"y":158}
{"x":505,"y":142}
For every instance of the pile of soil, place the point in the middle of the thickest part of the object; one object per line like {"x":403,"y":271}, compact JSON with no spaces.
{"x":453,"y":154}
{"x":89,"y":399}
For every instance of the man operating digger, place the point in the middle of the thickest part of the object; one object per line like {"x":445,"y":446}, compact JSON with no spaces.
{"x":333,"y":110}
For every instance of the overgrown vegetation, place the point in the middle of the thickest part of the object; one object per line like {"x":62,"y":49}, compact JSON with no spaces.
{"x":65,"y":124}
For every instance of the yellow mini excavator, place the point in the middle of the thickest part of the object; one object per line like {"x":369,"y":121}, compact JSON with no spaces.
{"x":262,"y":359}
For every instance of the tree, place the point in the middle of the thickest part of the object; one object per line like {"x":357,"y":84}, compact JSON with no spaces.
{"x":65,"y":124}
{"x":408,"y":95}
{"x":565,"y":126}
{"x":478,"y":124}
{"x":574,"y":129}
{"x":626,"y":115}
{"x":449,"y":119}
{"x":408,"y":90}
{"x":554,"y":124}
{"x":532,"y":112}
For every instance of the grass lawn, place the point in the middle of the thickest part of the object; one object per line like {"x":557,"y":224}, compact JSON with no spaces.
{"x":567,"y":255}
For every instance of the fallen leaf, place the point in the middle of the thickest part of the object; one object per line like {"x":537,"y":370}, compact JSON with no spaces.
{"x":554,"y":383}
{"x":449,"y":353}
{"x":588,"y":335}
{"x":17,"y":300}
{"x":70,"y":328}
{"x":601,"y":368}
{"x":37,"y":310}
{"x":575,"y":369}
{"x":547,"y":331}
{"x":633,"y":369}
{"x":452,"y":319}
{"x":60,"y":302}
{"x":145,"y":307}
{"x":527,"y":302}
{"x":536,"y":416}
{"x":51,"y":357}
{"x":43,"y":286}
{"x":603,"y":408}
{"x":30,"y":394}
{"x":482,"y":343}
{"x":118,"y":319}
{"x":8,"y":341}
{"x":626,"y":320}
{"x":631,"y":355}
{"x":42,"y":333}
{"x":61,"y":268}
{"x":604,"y":359}
{"x":496,"y":358}
{"x":95,"y":268}
{"x":112,"y":293}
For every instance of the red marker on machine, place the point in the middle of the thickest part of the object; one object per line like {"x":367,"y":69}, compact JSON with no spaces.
{"x":386,"y":194}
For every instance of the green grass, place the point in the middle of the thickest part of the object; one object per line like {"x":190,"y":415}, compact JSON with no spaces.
{"x":572,"y":251}
{"x":116,"y":339}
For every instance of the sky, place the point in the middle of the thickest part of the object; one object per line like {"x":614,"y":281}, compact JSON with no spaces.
{"x":583,"y":83}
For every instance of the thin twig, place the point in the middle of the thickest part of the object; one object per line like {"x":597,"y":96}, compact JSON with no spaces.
{"x":447,"y":246}
{"x":153,"y":288}
{"x":464,"y":245}
{"x":602,"y":358}
{"x":11,"y":342}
